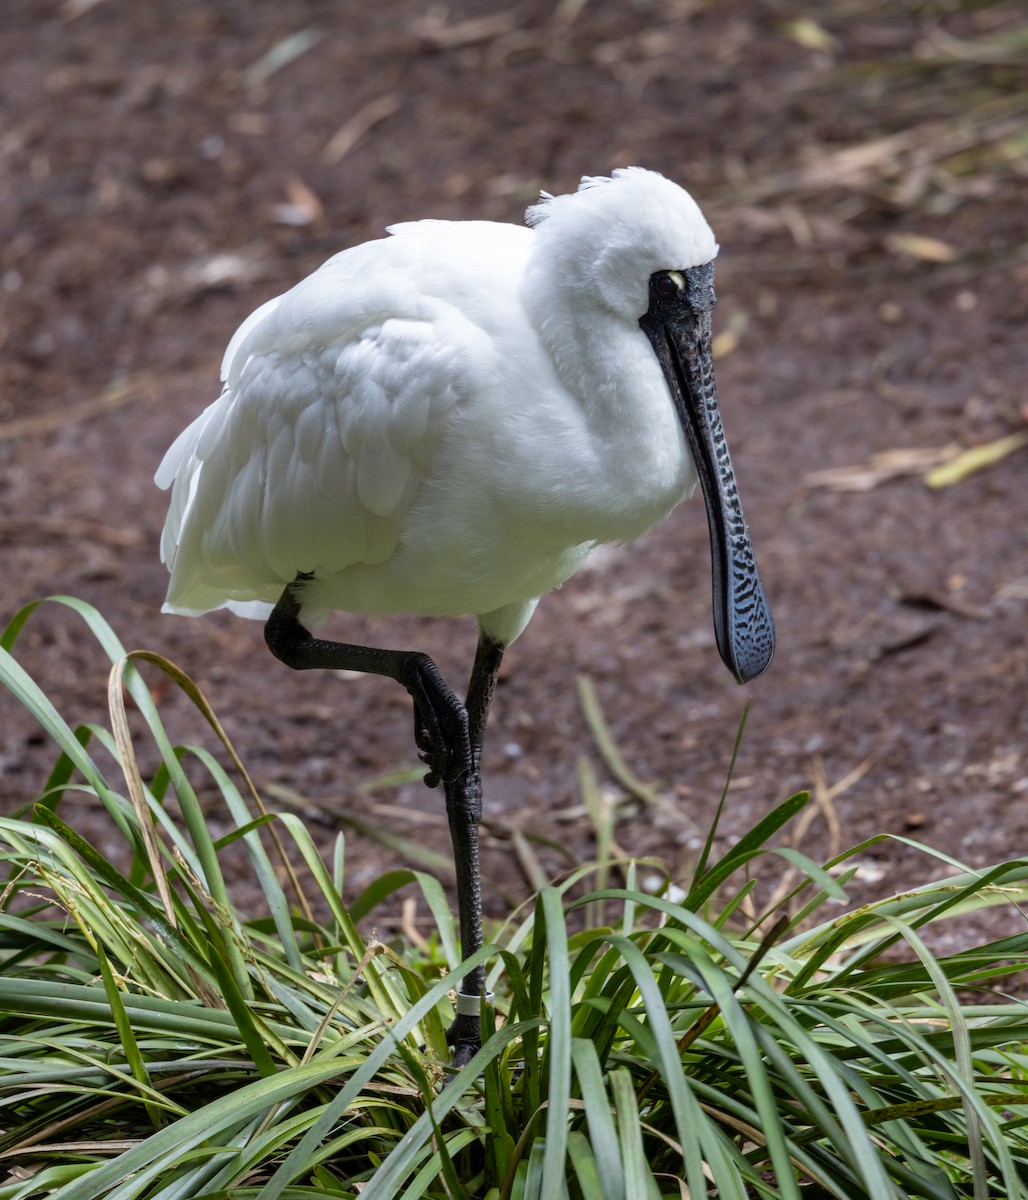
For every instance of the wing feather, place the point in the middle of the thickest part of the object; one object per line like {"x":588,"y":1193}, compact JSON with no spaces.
{"x":312,"y":427}
{"x":382,"y":477}
{"x":315,"y":451}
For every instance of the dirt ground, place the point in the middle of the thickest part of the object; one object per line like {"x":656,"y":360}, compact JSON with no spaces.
{"x":164,"y":168}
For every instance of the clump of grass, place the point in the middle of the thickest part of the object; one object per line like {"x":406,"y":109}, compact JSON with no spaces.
{"x":157,"y":1045}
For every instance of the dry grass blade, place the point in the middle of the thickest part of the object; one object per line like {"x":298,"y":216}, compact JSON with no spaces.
{"x":281,"y":54}
{"x":199,"y":700}
{"x":991,"y":48}
{"x":823,"y":797}
{"x":939,"y":466}
{"x":134,"y":783}
{"x":68,"y":528}
{"x":362,"y":121}
{"x":533,"y":870}
{"x":118,"y":395}
{"x":870,"y":164}
{"x":613,"y":759}
{"x":434,"y":28}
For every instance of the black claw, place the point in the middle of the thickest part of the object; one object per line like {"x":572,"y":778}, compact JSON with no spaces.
{"x":443,"y":745}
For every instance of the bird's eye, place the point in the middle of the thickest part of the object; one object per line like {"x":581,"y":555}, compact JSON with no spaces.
{"x":668,"y":283}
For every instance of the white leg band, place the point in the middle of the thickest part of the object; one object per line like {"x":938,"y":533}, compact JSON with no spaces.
{"x":470,"y":1006}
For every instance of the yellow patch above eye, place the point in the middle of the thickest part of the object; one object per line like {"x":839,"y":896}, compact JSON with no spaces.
{"x":679,"y":279}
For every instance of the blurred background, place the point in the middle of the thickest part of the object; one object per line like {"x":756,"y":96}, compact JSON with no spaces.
{"x":166,"y":168}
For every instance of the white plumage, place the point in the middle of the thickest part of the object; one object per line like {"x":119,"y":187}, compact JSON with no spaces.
{"x":444,"y":421}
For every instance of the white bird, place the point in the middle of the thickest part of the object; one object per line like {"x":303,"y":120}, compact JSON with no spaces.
{"x":448,"y":421}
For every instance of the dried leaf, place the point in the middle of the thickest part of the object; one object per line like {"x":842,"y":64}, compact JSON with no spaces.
{"x":810,"y":34}
{"x":280,"y":55}
{"x":728,"y":339}
{"x":927,"y":249}
{"x":725,"y":343}
{"x":221,"y":270}
{"x":966,"y":462}
{"x":889,"y":464}
{"x":302,"y":207}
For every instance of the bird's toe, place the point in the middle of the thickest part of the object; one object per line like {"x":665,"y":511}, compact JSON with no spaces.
{"x":443,"y":742}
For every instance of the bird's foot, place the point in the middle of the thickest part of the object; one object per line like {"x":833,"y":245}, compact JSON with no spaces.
{"x":440,"y":724}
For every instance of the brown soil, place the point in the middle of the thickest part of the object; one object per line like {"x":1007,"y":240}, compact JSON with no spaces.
{"x":160,"y":176}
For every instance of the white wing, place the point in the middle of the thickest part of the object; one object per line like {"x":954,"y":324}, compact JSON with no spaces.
{"x":329,"y":420}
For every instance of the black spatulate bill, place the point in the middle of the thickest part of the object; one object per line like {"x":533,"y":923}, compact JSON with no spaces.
{"x":678,"y":326}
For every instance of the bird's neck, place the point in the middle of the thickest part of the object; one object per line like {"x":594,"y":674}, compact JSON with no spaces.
{"x":630,"y":458}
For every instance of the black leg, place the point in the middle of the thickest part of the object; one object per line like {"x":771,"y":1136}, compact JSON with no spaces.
{"x":440,"y":719}
{"x":449,"y":736}
{"x":464,"y":810}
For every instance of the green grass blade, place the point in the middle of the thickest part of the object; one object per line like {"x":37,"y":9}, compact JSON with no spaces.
{"x":127,"y":1037}
{"x":639,"y":1181}
{"x":558,"y":1045}
{"x":590,"y":1182}
{"x":600,"y":1122}
{"x":293,"y":1163}
{"x":752,"y":844}
{"x":129,"y":1174}
{"x":275,"y":897}
{"x":708,"y":845}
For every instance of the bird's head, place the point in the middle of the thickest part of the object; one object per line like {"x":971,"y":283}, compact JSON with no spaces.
{"x":614,"y":233}
{"x":636,"y":248}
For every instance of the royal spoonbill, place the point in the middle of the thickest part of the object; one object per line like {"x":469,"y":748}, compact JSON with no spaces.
{"x":448,"y":421}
